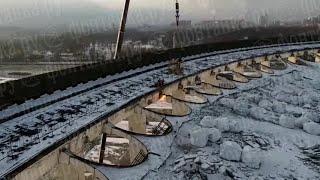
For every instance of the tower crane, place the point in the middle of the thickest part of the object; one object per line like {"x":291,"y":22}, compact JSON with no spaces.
{"x":123,"y":26}
{"x":122,"y":29}
{"x":177,"y":13}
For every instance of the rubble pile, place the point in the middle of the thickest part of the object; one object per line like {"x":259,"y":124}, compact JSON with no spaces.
{"x":255,"y":133}
{"x":232,"y":151}
{"x":255,"y":140}
{"x":284,"y":102}
{"x":197,"y":165}
{"x":312,"y":156}
{"x":203,"y":165}
{"x":239,"y":152}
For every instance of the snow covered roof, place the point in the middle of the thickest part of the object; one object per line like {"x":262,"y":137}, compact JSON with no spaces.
{"x":55,"y":122}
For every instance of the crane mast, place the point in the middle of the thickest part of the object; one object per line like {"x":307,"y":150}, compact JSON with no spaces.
{"x":177,"y":13}
{"x":123,"y":26}
{"x":122,"y":29}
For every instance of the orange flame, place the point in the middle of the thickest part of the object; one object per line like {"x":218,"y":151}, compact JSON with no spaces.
{"x":163,"y":98}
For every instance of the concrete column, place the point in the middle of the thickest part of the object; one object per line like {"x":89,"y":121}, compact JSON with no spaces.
{"x":88,"y":176}
{"x":137,"y":122}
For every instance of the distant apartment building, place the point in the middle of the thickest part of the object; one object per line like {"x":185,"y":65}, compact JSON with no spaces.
{"x":36,"y":54}
{"x":67,"y":56}
{"x":48,"y":55}
{"x":231,"y":24}
{"x":183,"y":24}
{"x":264,"y":20}
{"x":311,"y":21}
{"x":99,"y":51}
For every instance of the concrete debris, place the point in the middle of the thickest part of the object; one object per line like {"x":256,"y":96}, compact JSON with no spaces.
{"x":255,"y":178}
{"x":179,"y":165}
{"x":235,"y":126}
{"x":208,"y":121}
{"x":266,"y":104}
{"x":197,"y":160}
{"x":314,"y":116}
{"x":227,"y":102}
{"x":284,"y":97}
{"x":214,"y":135}
{"x":263,"y":115}
{"x":312,"y":156}
{"x":190,"y":157}
{"x":241,"y":107}
{"x":256,"y":141}
{"x":251,"y":157}
{"x":205,"y":166}
{"x":228,"y":124}
{"x":287,"y":121}
{"x":297,"y":76}
{"x":295,"y":111}
{"x":223,"y":124}
{"x":279,"y":107}
{"x":301,"y":120}
{"x":228,"y":172}
{"x":195,"y":165}
{"x":200,"y":137}
{"x":312,"y":128}
{"x":218,"y":177}
{"x":230,"y":151}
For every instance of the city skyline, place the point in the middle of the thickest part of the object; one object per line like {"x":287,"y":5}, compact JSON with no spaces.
{"x":17,"y":13}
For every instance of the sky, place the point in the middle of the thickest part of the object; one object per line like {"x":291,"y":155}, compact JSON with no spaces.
{"x":34,"y":12}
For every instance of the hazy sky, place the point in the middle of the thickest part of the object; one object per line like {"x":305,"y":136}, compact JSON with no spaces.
{"x":25,"y":11}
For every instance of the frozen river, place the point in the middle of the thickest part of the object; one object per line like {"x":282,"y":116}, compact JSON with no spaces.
{"x":13,"y":71}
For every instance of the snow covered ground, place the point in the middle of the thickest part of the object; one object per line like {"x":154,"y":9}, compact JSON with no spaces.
{"x":255,"y":132}
{"x":5,"y":79}
{"x":26,"y":136}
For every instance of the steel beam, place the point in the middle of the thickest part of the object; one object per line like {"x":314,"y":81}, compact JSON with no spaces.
{"x":102,"y":148}
{"x":122,"y":29}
